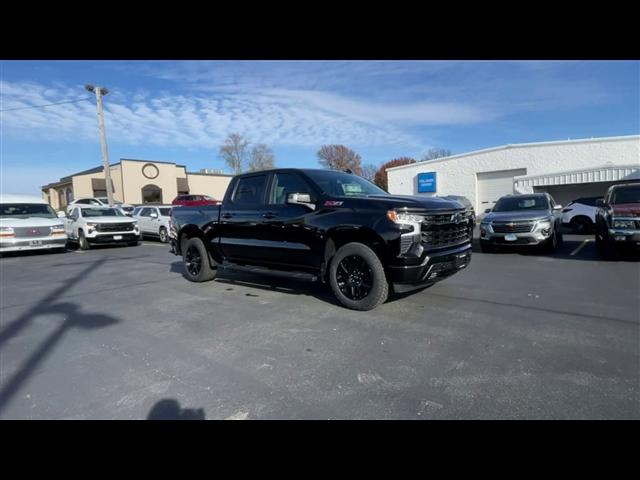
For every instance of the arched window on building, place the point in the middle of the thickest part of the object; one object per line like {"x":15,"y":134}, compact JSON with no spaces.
{"x":151,"y":194}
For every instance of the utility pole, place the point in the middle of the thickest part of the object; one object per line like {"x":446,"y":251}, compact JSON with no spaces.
{"x":100,"y":91}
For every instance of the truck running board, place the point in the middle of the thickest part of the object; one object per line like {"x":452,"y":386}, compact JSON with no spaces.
{"x":267,"y":271}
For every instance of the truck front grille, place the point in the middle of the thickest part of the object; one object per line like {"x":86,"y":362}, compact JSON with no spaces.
{"x":512,"y":227}
{"x":26,"y":232}
{"x":115,"y":227}
{"x":446,"y":236}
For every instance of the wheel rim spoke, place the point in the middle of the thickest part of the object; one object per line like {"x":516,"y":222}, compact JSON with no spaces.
{"x":354,"y":277}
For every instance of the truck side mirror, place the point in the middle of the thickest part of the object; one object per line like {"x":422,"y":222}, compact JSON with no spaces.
{"x":154,"y":215}
{"x":61,"y":214}
{"x":557,"y":207}
{"x":300,"y":199}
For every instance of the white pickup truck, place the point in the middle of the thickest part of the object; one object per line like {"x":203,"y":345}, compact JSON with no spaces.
{"x":29,"y":223}
{"x":89,"y":225}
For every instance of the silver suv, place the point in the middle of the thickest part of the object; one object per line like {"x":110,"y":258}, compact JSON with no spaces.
{"x":532,"y":219}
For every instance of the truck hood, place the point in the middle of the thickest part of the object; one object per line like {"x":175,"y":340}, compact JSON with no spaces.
{"x":30,"y":222}
{"x":627,"y":209}
{"x":515,"y":216}
{"x":417,"y":202}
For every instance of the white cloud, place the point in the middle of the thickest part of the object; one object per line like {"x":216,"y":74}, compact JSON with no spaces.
{"x":275,"y":116}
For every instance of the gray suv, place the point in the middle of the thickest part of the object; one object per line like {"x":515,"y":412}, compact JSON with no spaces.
{"x":532,"y":219}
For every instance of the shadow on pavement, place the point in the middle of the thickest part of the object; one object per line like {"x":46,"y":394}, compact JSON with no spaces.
{"x":73,"y":318}
{"x":169,"y":409}
{"x":274,"y":283}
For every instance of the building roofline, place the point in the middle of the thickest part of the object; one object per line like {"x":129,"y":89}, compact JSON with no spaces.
{"x":67,"y":178}
{"x":210,"y":174}
{"x":518,"y":145}
{"x":148,"y":161}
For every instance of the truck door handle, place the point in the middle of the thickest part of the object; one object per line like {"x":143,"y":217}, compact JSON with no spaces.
{"x":227,"y":215}
{"x":268,"y":215}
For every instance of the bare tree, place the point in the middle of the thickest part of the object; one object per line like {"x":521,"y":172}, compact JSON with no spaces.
{"x":369,"y":171}
{"x":234,"y":152}
{"x":339,"y":157}
{"x":381,"y":178}
{"x":262,"y":158}
{"x":434,"y":153}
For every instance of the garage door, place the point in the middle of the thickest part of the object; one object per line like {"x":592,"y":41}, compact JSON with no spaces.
{"x":493,"y":185}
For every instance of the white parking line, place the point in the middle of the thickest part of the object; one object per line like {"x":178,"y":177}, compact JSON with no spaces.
{"x":581,"y":246}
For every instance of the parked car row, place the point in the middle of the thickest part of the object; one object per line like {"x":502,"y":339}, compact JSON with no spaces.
{"x":332,"y":226}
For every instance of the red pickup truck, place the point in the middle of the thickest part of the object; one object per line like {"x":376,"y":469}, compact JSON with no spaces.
{"x":618,"y":219}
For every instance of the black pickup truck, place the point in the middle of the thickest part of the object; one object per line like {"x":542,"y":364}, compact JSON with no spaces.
{"x":328,"y":225}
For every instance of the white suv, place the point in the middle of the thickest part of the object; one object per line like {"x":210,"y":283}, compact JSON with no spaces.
{"x":580,"y":215}
{"x":92,"y":224}
{"x":154,"y":220}
{"x":29,"y":223}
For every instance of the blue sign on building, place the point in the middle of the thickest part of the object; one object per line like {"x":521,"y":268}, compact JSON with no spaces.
{"x":427,"y":182}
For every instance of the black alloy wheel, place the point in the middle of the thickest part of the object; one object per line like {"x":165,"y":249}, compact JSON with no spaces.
{"x":193,"y":261}
{"x":354,"y":277}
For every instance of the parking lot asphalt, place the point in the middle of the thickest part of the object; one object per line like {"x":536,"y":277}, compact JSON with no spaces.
{"x":118,"y":333}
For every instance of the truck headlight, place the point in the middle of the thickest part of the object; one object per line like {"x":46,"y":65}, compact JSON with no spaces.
{"x":486,"y":227}
{"x":544,"y":225}
{"x":404,"y":218}
{"x":629,"y":224}
{"x":57,"y":230}
{"x":7,"y":232}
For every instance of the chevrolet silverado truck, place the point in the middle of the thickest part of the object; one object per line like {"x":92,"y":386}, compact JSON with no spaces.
{"x":326,"y":225}
{"x":618,"y":219}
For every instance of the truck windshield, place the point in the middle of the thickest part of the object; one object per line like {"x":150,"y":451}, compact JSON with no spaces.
{"x":26,"y":210}
{"x":626,"y":195}
{"x":339,"y":184}
{"x":101,"y":212}
{"x":516,"y":204}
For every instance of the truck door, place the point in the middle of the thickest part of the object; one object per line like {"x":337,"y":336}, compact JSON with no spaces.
{"x":241,"y":220}
{"x":291,"y":239}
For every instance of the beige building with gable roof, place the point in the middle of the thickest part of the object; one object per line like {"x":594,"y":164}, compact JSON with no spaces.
{"x":136,"y":182}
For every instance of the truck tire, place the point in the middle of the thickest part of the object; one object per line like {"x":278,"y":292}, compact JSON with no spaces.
{"x":357,"y":277}
{"x":83,"y":243}
{"x":581,"y":225}
{"x":164,"y":236}
{"x":606,"y":248}
{"x":197,"y":267}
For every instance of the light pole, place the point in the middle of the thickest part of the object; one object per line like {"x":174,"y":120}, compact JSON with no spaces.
{"x":100,"y":91}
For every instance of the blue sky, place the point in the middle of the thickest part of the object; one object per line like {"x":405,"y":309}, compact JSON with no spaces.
{"x":182,"y":110}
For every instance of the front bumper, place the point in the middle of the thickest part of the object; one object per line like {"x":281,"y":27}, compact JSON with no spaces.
{"x":526,"y":238}
{"x":433,"y":268}
{"x":41,"y":243}
{"x":113,"y":237}
{"x":624,"y":235}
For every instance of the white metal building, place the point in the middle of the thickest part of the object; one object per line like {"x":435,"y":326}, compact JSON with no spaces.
{"x":567,"y":170}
